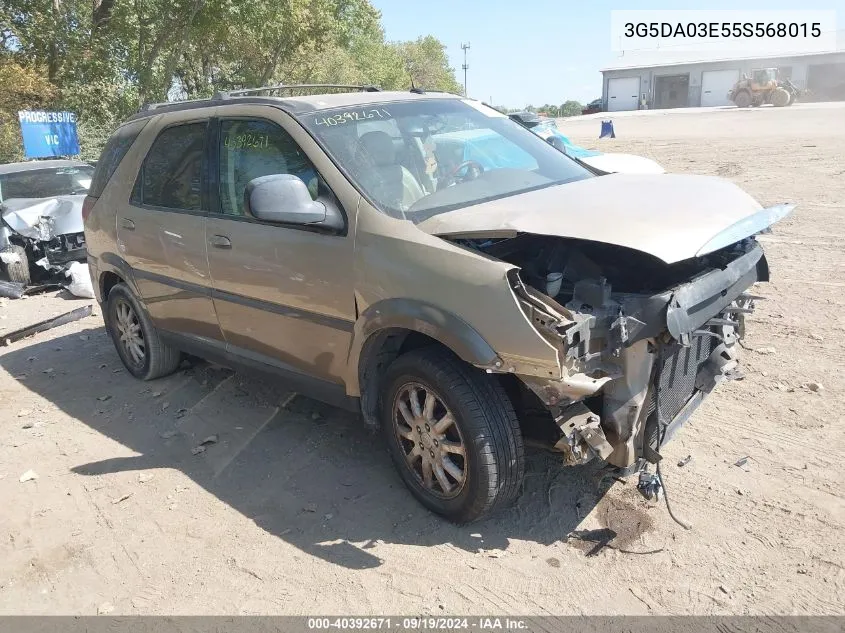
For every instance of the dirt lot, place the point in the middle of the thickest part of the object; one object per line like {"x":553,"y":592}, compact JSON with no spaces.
{"x":297,"y":510}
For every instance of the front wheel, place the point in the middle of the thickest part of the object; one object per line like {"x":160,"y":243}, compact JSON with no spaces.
{"x":137,"y":341}
{"x":452,"y":433}
{"x":16,"y":264}
{"x":781,"y":98}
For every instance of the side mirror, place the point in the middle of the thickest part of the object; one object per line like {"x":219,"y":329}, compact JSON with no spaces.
{"x":285,"y":199}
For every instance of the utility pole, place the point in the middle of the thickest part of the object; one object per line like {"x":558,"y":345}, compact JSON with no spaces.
{"x":465,"y":48}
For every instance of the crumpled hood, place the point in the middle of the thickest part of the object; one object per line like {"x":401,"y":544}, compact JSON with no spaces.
{"x":670,"y":216}
{"x":25,"y":216}
{"x":615,"y":163}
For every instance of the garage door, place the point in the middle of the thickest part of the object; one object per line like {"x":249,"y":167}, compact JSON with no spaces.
{"x":623,"y":93}
{"x":715,"y":85}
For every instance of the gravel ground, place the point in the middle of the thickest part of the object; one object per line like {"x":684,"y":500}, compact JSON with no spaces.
{"x":296,"y":509}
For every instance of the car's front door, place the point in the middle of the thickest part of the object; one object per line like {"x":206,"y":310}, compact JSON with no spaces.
{"x":283,"y":294}
{"x":161,"y":232}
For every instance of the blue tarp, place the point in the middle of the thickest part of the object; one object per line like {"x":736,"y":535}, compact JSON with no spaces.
{"x":493,"y":151}
{"x":547,"y":129}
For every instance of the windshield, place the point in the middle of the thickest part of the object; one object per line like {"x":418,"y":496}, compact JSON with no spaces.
{"x":420,"y":158}
{"x":45,"y":183}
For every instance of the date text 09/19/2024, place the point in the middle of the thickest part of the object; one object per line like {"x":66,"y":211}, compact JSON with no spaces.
{"x":422,"y":623}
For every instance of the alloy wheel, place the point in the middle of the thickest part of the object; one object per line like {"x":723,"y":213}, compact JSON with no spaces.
{"x":430,"y":440}
{"x":130,"y":335}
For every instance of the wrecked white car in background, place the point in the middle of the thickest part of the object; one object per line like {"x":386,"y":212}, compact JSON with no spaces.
{"x":598,"y":162}
{"x":41,"y":229}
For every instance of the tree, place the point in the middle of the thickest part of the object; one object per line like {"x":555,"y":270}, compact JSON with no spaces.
{"x":104,"y":58}
{"x":427,"y":64}
{"x":570,"y":108}
{"x":24,"y":88}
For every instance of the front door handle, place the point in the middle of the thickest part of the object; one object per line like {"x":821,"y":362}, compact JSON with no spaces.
{"x":220,"y":241}
{"x":127,"y":224}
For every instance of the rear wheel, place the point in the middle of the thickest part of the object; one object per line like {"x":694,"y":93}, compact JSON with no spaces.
{"x":135,"y":338}
{"x":742,"y":99}
{"x":452,"y":433}
{"x":15,"y":264}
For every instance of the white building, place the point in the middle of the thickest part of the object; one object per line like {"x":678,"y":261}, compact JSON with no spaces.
{"x":706,"y":83}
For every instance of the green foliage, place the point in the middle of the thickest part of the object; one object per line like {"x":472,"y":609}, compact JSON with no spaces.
{"x":23,"y":88}
{"x":571,"y":108}
{"x":104,"y":58}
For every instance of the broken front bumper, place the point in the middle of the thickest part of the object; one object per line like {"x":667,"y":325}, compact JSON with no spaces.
{"x":651,"y":360}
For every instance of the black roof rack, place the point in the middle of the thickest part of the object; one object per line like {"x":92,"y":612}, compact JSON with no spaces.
{"x":293,"y":87}
{"x":223,"y":95}
{"x":152,"y":106}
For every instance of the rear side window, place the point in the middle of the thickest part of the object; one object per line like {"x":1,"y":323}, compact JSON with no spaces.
{"x":113,"y":153}
{"x":173,"y":171}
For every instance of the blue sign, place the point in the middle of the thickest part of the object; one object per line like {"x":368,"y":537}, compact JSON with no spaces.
{"x":48,"y":134}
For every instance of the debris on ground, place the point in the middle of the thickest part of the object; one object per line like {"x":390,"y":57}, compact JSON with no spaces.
{"x":24,"y":412}
{"x":80,"y":280}
{"x":145,"y":477}
{"x":47,"y":324}
{"x":123,"y":498}
{"x":29,"y":475}
{"x":686,"y":460}
{"x":200,"y":448}
{"x":310,"y":507}
{"x":765,"y":351}
{"x":105,"y":608}
{"x":742,"y":461}
{"x":11,"y":289}
{"x":815,"y":387}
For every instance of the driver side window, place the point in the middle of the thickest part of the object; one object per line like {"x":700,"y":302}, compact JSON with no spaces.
{"x":250,"y":148}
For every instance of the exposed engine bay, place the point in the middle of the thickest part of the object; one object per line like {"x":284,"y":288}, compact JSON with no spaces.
{"x":641,"y":341}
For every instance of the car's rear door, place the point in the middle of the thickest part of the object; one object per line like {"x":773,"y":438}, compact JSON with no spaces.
{"x":283,"y":294}
{"x":161,"y":232}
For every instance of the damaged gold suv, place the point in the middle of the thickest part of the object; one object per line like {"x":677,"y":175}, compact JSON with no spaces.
{"x":429,"y":262}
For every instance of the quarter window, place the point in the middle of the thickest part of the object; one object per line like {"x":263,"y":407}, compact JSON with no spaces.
{"x":253,"y":148}
{"x":113,"y":153}
{"x":173,"y":171}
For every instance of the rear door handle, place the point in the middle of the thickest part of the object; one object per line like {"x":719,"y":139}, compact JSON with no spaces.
{"x":127,"y":224}
{"x":220,"y":241}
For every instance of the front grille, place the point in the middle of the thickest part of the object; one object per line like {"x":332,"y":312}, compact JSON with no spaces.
{"x":677,"y":375}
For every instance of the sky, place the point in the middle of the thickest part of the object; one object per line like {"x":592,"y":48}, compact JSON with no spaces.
{"x":539,"y":51}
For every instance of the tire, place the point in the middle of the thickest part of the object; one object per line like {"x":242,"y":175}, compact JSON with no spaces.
{"x":17,"y":271}
{"x":124,"y":313}
{"x":781,"y":98}
{"x":742,"y":99}
{"x":485,"y":426}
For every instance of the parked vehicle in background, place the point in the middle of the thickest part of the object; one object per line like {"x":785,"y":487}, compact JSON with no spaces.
{"x":346,"y":242}
{"x":599,"y":162}
{"x":41,"y":226}
{"x":593,"y":107}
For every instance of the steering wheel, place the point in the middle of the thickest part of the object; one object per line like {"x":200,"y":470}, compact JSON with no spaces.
{"x":474,"y":170}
